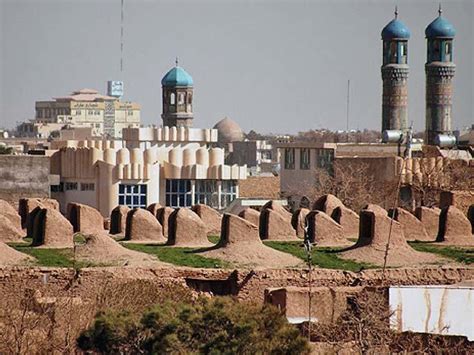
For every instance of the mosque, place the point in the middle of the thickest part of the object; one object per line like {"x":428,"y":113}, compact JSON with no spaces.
{"x":439,"y":70}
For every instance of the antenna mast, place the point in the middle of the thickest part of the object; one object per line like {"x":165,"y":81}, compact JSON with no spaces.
{"x":121,"y":38}
{"x":347,"y":104}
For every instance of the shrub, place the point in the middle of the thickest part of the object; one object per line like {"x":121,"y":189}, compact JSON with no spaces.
{"x":209,"y":326}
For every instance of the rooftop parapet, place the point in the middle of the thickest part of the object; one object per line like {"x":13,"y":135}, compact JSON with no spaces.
{"x":170,"y":134}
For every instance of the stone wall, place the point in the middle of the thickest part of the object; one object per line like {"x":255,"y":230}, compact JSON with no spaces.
{"x":250,"y":285}
{"x":23,"y":176}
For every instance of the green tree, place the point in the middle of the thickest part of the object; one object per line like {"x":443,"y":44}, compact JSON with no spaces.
{"x":209,"y":326}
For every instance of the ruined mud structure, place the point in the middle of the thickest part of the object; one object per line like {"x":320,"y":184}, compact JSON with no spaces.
{"x":118,"y":220}
{"x":52,"y":230}
{"x":186,"y":229}
{"x":324,"y":231}
{"x":413,"y":228}
{"x":275,"y":222}
{"x":251,"y":215}
{"x":454,"y":227}
{"x":85,"y":219}
{"x":142,"y":226}
{"x":211,"y":218}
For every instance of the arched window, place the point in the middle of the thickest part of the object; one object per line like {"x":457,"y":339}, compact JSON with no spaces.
{"x":393,"y":52}
{"x":180,"y":98}
{"x":190,"y":98}
{"x":172,"y":98}
{"x":447,"y":52}
{"x":403,"y":53}
{"x":436,"y":51}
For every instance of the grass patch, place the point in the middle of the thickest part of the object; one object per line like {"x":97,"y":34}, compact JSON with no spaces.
{"x":462,"y":255}
{"x":51,"y":257}
{"x":323,"y":257}
{"x":178,"y":256}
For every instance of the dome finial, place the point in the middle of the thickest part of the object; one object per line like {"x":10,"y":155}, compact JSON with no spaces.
{"x":396,"y":11}
{"x":176,"y":61}
{"x":440,"y":10}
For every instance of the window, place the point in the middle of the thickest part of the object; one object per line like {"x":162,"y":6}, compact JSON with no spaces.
{"x":178,"y":193}
{"x":436,"y":50}
{"x":130,"y":113}
{"x":57,"y":188}
{"x":324,"y":159}
{"x":132,"y":195}
{"x":403,"y":53}
{"x":393,"y":52}
{"x":180,"y":98}
{"x":172,"y":98}
{"x":78,"y":112}
{"x":447,"y":51}
{"x":289,"y":158}
{"x":39,"y":113}
{"x":228,"y":192}
{"x":70,"y":186}
{"x":85,"y":186}
{"x":207,"y":193}
{"x":305,"y":158}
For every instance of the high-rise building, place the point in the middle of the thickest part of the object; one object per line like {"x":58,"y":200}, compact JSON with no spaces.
{"x":439,"y":70}
{"x":394,"y":75}
{"x":177,"y":97}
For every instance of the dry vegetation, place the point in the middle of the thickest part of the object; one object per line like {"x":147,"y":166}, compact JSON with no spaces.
{"x":365,"y":328}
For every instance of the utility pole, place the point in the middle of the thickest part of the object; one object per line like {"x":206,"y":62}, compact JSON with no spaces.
{"x":308,"y":247}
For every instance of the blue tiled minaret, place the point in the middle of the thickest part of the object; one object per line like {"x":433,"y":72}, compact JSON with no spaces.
{"x":439,"y":69}
{"x":395,"y":75}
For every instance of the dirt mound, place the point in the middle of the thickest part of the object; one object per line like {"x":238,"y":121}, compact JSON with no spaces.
{"x":348,"y":219}
{"x":324,"y":231}
{"x":26,"y":205}
{"x":251,"y":215}
{"x":430,"y":219}
{"x":153,"y":208}
{"x":327,"y":204}
{"x":84,"y":218}
{"x":163,"y":214}
{"x":454,"y":227}
{"x":275,"y":222}
{"x":8,"y":232}
{"x":142,"y":226}
{"x":102,"y":249}
{"x":10,"y":256}
{"x":412,"y":227}
{"x":298,"y":221}
{"x":186,"y":229}
{"x":372,"y":243}
{"x":211,"y":218}
{"x":118,"y":220}
{"x":240,"y":244}
{"x":52,"y":230}
{"x":7,"y":211}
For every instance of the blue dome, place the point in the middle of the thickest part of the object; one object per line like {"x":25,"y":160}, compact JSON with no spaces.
{"x":440,"y":27}
{"x":395,"y":29}
{"x":177,"y":76}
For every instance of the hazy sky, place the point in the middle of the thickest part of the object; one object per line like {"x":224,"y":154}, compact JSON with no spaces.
{"x":272,"y":66}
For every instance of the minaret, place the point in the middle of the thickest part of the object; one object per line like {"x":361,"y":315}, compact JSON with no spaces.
{"x":439,"y":69}
{"x":177,"y":88}
{"x":395,"y":75}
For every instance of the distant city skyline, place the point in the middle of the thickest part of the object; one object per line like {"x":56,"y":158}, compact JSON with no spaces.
{"x":271,"y":66}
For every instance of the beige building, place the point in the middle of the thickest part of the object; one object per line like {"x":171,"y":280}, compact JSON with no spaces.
{"x":106,"y":115}
{"x":173,"y":166}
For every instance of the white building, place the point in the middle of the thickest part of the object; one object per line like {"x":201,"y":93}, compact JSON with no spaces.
{"x":172,"y":166}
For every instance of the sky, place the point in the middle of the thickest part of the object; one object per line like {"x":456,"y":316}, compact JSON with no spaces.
{"x":271,"y":66}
